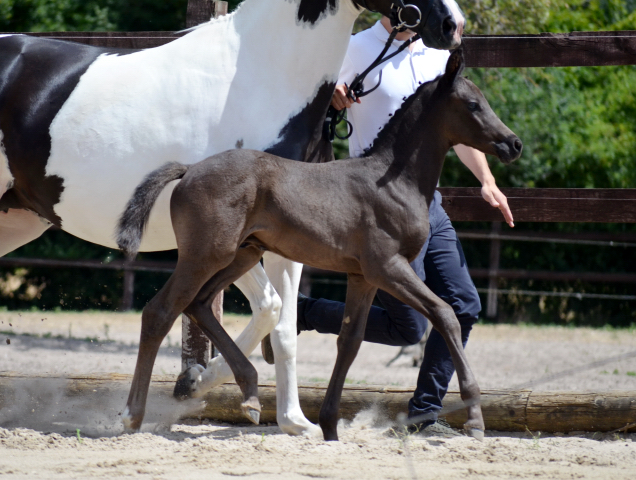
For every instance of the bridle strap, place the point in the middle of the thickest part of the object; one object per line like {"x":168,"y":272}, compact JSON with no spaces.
{"x":356,"y":90}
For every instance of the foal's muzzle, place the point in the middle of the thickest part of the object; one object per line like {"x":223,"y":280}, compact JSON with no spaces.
{"x":509,"y":150}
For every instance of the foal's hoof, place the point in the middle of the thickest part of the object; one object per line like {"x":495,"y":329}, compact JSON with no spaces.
{"x":130,"y":425}
{"x":476,"y":433}
{"x":252,"y":410}
{"x":188,"y":382}
{"x":267,"y":350}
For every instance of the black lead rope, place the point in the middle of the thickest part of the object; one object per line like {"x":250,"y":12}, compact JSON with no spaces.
{"x":356,"y":90}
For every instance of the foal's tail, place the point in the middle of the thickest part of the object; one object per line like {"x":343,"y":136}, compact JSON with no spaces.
{"x":133,"y":221}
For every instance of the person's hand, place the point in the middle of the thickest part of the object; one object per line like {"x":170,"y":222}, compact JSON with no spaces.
{"x":491,"y":193}
{"x":340,"y":99}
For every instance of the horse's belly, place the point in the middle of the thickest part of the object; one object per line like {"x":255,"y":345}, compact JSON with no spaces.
{"x":96,"y":221}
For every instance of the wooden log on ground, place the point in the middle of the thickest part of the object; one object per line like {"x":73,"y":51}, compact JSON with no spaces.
{"x":504,"y":410}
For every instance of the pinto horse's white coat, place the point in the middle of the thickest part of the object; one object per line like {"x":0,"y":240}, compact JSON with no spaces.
{"x":236,"y":80}
{"x":6,"y":178}
{"x":219,"y":85}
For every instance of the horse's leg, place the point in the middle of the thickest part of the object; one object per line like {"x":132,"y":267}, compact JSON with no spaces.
{"x":285,"y":276}
{"x":156,"y":320}
{"x":200,"y":310}
{"x":265,"y":304}
{"x":360,"y":294}
{"x":399,"y":279}
{"x":19,"y":227}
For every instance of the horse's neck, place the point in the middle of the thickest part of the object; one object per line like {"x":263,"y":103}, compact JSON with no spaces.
{"x":413,"y":147}
{"x":270,"y":35}
{"x":268,"y":64}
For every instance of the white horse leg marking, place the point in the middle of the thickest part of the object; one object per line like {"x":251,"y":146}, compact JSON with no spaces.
{"x":19,"y":227}
{"x":265,"y":304}
{"x":285,"y":276}
{"x":6,"y":178}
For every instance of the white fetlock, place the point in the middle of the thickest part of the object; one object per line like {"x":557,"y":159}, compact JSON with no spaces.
{"x":298,"y":425}
{"x":188,"y":383}
{"x":126,"y":419}
{"x":217,"y":373}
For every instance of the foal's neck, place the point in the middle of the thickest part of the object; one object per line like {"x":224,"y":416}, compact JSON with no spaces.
{"x":413,"y":145}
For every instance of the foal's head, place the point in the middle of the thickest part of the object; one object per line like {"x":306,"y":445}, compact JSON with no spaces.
{"x":466,"y":118}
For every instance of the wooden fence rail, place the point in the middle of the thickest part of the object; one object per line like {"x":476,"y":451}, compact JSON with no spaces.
{"x":575,"y":49}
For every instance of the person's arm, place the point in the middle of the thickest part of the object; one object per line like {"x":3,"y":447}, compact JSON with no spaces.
{"x":478,"y":165}
{"x":346,"y":76}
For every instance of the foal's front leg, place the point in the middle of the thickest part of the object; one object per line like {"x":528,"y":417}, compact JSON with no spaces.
{"x":358,"y":303}
{"x":399,"y":279}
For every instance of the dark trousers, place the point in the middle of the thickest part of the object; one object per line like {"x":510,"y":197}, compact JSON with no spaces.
{"x":442,"y":266}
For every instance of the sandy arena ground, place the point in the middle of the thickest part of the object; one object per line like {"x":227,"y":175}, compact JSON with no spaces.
{"x":36,"y":445}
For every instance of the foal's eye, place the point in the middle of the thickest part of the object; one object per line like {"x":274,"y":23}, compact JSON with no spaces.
{"x":473,"y":106}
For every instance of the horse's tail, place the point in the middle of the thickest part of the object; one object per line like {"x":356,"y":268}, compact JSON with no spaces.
{"x":133,"y":221}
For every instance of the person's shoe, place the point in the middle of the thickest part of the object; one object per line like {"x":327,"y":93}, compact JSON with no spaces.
{"x":440,"y":428}
{"x":266,"y":343}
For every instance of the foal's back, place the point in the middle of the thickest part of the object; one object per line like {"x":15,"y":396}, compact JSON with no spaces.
{"x":322,"y":215}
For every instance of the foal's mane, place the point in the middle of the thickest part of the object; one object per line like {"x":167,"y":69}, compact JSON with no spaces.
{"x":426,"y":90}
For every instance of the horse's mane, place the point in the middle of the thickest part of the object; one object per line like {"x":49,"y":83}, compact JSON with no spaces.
{"x":222,"y":18}
{"x":427,"y":90}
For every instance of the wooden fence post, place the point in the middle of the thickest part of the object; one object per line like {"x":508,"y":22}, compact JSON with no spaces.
{"x":129,"y":286}
{"x":495,"y":250}
{"x":196,"y":348}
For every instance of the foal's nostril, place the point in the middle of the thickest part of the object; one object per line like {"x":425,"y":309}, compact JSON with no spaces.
{"x":449,"y":26}
{"x":518,"y":145}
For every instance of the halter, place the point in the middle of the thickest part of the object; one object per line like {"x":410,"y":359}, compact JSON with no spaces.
{"x":356,"y":90}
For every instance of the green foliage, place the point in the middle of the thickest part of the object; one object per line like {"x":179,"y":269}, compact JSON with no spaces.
{"x":53,"y":15}
{"x":92,"y":15}
{"x":495,"y":17}
{"x":579,"y":130}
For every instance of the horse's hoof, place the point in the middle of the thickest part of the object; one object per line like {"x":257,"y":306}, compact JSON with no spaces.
{"x":267,"y":350}
{"x":251,"y":413}
{"x":188,"y":382}
{"x":331,"y":437}
{"x":476,"y":433}
{"x":130,"y":425}
{"x":251,"y":408}
{"x":298,"y":425}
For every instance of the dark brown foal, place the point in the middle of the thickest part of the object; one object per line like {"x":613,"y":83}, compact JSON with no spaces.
{"x":367,"y":217}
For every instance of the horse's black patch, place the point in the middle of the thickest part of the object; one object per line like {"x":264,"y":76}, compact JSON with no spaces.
{"x":36,"y":78}
{"x":301,"y":138}
{"x":311,"y":10}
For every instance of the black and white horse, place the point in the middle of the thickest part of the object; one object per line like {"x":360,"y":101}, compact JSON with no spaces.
{"x":81,"y":126}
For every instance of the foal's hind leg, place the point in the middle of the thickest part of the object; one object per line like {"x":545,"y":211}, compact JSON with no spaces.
{"x":265,"y":304}
{"x":200,"y":311}
{"x":359,"y":297}
{"x":156,"y":320}
{"x":399,"y":279}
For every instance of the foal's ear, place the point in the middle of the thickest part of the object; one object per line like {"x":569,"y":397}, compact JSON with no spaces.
{"x":454,"y":67}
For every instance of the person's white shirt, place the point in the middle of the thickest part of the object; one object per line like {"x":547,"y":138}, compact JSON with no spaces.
{"x":401,"y":76}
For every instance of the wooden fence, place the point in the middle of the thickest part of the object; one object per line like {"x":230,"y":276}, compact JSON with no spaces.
{"x":462,"y":204}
